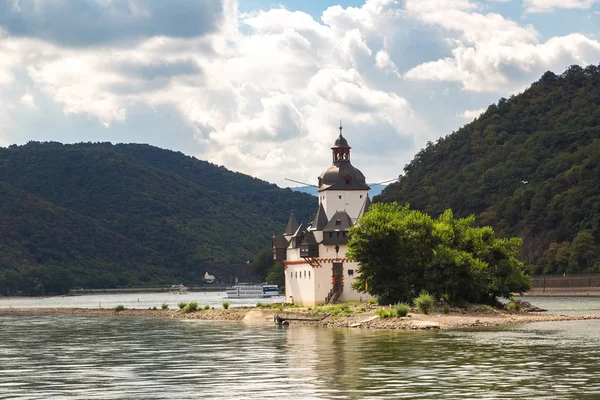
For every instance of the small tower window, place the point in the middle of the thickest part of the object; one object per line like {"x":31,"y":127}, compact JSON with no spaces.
{"x":350,"y":272}
{"x":339,"y":197}
{"x":348,"y":180}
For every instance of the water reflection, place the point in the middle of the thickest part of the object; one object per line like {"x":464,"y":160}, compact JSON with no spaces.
{"x":99,"y":358}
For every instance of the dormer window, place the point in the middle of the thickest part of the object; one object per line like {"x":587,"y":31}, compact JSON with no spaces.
{"x":348,"y":180}
{"x":338,"y":222}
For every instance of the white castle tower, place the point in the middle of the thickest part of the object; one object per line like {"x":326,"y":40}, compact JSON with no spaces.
{"x":316,"y":269}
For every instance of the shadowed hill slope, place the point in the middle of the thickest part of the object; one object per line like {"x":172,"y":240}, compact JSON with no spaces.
{"x":184,"y":215}
{"x":529,"y":166}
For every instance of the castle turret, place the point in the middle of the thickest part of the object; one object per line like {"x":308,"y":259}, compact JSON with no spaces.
{"x":342,"y":187}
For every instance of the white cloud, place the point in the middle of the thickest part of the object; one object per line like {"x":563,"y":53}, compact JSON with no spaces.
{"x":262,"y":92}
{"x":549,"y":5}
{"x":490,"y":52}
{"x":472,"y":114}
{"x":28,"y":101}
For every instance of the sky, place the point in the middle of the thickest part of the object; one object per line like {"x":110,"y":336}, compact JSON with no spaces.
{"x":260,"y":86}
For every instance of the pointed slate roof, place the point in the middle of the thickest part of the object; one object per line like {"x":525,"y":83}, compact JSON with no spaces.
{"x":280,"y":241}
{"x":320,"y":219}
{"x":340,"y":221}
{"x":365,"y":207}
{"x":309,"y":239}
{"x":292,"y":225}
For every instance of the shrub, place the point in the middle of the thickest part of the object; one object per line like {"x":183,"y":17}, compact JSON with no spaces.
{"x":424,"y":302}
{"x":182,"y":305}
{"x":118,"y":308}
{"x":446,"y":309}
{"x":164,"y":306}
{"x":225,"y":305}
{"x":259,"y":304}
{"x":154,"y":308}
{"x":513,"y":305}
{"x":402,"y":309}
{"x":386,"y":313}
{"x":191,"y":307}
{"x":372,"y":301}
{"x":207,"y":307}
{"x":362,"y":309}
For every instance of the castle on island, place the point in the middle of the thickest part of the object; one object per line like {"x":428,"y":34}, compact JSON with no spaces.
{"x":314,"y":255}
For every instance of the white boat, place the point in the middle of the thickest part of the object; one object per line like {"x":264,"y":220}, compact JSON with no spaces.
{"x":178,"y":289}
{"x":252,"y":291}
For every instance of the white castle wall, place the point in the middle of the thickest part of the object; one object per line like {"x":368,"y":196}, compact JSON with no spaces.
{"x":350,"y":201}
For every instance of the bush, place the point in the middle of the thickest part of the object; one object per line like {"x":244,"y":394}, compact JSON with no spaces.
{"x":207,"y":307}
{"x":118,"y":308}
{"x":513,"y":305}
{"x":182,"y":305}
{"x":154,"y":308}
{"x":372,"y":301}
{"x":446,"y":309}
{"x":164,"y":306}
{"x":191,"y":307}
{"x":225,"y":305}
{"x":402,"y":309}
{"x":424,"y":302}
{"x":259,"y":304}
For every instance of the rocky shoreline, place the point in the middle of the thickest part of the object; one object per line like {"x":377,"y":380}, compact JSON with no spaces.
{"x":367,"y":319}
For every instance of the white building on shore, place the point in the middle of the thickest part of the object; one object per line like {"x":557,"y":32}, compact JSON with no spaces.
{"x":314,"y":255}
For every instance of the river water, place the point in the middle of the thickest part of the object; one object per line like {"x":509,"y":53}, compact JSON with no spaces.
{"x":75,"y":357}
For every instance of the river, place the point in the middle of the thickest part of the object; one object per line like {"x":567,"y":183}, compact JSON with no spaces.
{"x":61,"y":356}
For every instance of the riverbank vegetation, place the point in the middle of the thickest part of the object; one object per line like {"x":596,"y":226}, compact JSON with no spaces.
{"x":403,"y":252}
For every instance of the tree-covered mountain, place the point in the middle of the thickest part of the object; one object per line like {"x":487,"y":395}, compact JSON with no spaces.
{"x":529,"y":166}
{"x":107,"y":215}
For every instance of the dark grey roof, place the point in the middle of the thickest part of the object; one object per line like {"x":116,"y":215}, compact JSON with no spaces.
{"x":341,"y":142}
{"x":280,"y":241}
{"x":298,"y":232}
{"x":365,"y":207}
{"x":335,"y":178}
{"x":309,"y":238}
{"x":292,"y":225}
{"x":340,"y":221}
{"x":320,"y":219}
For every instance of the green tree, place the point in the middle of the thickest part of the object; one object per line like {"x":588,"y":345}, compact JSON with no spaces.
{"x":276,"y":275}
{"x":263,"y":262}
{"x":403,"y":252}
{"x":584,"y":252}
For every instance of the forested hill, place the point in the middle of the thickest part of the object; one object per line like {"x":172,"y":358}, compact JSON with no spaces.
{"x":529,"y":166}
{"x":102,"y":215}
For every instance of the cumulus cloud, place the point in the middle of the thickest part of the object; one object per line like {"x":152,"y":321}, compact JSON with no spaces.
{"x":490,"y":52}
{"x":472,"y":114}
{"x":262,"y":92}
{"x":549,"y":5}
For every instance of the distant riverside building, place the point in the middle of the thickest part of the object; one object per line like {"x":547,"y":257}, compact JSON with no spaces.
{"x":314,"y":255}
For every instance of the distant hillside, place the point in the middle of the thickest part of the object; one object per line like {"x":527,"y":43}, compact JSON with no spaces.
{"x":529,"y":166}
{"x":376,"y":189}
{"x":132,"y":214}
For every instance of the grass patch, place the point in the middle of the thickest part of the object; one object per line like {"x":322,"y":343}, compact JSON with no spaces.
{"x":424,"y":302}
{"x":118,"y":308}
{"x":164,"y":306}
{"x":207,"y":307}
{"x":191,"y":307}
{"x":225,"y":305}
{"x":259,"y":304}
{"x":372,"y":301}
{"x":182,"y":305}
{"x":385,"y":313}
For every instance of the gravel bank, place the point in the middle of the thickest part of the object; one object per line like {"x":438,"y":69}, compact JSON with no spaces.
{"x":366,"y":320}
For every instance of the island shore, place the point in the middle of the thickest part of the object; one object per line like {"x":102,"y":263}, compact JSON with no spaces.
{"x":367,"y":319}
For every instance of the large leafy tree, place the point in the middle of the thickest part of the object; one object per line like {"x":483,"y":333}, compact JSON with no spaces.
{"x":403,"y":251}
